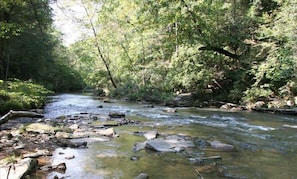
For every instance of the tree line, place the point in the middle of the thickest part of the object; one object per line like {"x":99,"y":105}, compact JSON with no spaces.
{"x":239,"y":51}
{"x":30,"y":47}
{"x":33,"y":60}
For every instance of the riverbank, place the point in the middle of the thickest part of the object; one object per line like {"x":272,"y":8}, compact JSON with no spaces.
{"x":187,"y":100}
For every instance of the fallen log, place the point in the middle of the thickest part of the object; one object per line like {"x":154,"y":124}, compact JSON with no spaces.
{"x":15,"y":114}
{"x":292,"y":111}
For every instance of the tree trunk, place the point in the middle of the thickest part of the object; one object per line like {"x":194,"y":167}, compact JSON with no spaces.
{"x":106,"y":64}
{"x":15,"y":114}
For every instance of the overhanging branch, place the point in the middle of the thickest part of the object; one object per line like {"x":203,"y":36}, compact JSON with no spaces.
{"x":220,"y":51}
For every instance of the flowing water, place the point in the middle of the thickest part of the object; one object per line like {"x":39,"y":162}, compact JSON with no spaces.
{"x":264,"y":147}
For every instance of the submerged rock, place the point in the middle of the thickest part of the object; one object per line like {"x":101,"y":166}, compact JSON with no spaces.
{"x":116,"y":115}
{"x":139,"y":146}
{"x":142,"y":176}
{"x":205,"y":160}
{"x":72,"y":143}
{"x":221,"y":146}
{"x":70,"y":157}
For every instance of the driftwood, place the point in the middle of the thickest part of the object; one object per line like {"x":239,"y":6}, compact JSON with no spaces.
{"x":277,"y":111}
{"x":15,"y":114}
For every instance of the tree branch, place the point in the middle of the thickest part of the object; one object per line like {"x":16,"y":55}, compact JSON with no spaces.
{"x":220,"y":51}
{"x":14,"y":114}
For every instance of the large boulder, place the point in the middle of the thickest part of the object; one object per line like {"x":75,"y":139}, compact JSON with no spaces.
{"x":18,"y":170}
{"x":169,"y":144}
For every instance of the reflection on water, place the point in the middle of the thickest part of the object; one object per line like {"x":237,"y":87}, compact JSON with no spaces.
{"x":265,"y":149}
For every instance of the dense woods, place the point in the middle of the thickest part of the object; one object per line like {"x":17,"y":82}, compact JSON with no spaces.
{"x":239,"y":51}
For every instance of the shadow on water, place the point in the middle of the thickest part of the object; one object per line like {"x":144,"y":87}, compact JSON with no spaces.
{"x":264,"y":147}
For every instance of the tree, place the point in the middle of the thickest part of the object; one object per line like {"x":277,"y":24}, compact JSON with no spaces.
{"x":29,"y":45}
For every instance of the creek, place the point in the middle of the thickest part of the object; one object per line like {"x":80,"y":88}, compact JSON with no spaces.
{"x":265,"y":147}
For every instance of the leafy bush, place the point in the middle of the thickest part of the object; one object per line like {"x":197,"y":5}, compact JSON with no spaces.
{"x":254,"y":94}
{"x":20,"y":95}
{"x":135,"y":93}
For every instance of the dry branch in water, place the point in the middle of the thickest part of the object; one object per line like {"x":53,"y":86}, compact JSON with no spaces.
{"x":15,"y":114}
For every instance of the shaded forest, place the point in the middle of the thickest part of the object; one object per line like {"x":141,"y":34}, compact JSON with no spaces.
{"x":239,"y":51}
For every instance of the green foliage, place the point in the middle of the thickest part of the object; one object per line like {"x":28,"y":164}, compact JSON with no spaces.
{"x":135,"y":93}
{"x":255,"y":94}
{"x":235,"y":51}
{"x":20,"y":95}
{"x":31,"y":50}
{"x":275,"y":72}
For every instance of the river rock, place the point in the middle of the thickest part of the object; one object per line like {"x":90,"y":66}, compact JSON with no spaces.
{"x":205,"y":160}
{"x":259,"y":104}
{"x":83,"y":134}
{"x":63,"y":135}
{"x":221,"y":146}
{"x":36,"y":154}
{"x":60,"y":166}
{"x":72,"y":143}
{"x":116,"y":115}
{"x":142,"y":176}
{"x":107,"y":132}
{"x":70,"y":157}
{"x":46,"y":168}
{"x":173,"y":144}
{"x":18,"y":170}
{"x":74,"y":126}
{"x":139,"y":146}
{"x":150,"y":134}
{"x":228,"y":106}
{"x":40,"y":128}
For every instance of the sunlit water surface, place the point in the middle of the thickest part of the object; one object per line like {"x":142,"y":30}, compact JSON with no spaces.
{"x":264,"y":148}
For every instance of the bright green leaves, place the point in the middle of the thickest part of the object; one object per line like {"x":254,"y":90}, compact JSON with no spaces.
{"x":275,"y":72}
{"x":9,"y":29}
{"x":20,"y":95}
{"x":223,"y":48}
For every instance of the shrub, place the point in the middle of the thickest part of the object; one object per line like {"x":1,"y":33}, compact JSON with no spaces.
{"x":21,"y":95}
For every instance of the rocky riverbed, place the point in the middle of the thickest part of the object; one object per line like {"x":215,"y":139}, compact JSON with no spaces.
{"x":27,"y":144}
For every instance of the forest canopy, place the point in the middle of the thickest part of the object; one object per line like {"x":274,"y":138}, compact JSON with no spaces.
{"x":240,"y":51}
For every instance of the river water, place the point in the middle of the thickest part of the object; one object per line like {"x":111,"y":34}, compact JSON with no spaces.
{"x":264,"y":147}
